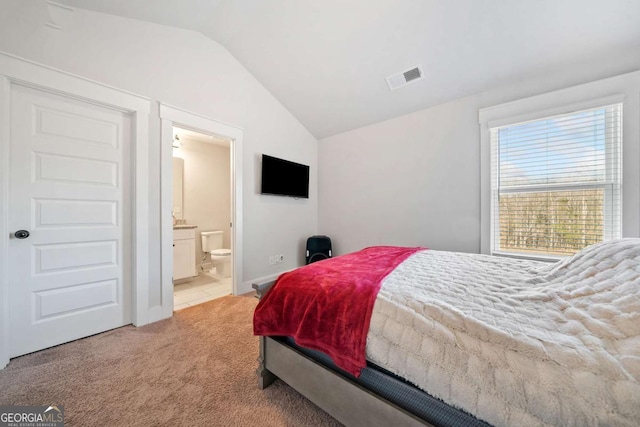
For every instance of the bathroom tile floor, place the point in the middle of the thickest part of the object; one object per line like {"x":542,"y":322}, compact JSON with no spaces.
{"x":204,"y":287}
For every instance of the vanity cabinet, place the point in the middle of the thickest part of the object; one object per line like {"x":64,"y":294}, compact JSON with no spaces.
{"x":184,"y":253}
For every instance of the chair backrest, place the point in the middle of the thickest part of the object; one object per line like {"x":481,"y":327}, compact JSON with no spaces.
{"x":318,"y":248}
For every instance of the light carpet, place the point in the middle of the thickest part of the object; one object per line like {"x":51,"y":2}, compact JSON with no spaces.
{"x":196,"y":369}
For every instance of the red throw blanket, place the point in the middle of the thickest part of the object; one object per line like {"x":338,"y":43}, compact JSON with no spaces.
{"x":327,"y":305}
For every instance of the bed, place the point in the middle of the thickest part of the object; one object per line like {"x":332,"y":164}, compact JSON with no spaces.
{"x":495,"y":340}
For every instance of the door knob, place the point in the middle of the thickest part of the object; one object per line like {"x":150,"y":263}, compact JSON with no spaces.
{"x":21,"y":234}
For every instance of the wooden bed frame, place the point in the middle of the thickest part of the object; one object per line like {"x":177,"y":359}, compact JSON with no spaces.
{"x":346,"y":401}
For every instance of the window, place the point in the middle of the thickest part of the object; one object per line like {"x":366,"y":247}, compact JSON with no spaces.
{"x":556,"y":182}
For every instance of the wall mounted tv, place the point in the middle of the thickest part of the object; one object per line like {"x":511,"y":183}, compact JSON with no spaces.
{"x":284,"y":178}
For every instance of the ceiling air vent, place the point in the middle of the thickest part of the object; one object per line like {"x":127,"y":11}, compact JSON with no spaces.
{"x":405,"y":77}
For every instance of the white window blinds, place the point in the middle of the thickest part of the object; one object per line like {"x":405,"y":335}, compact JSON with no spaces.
{"x":556,"y":182}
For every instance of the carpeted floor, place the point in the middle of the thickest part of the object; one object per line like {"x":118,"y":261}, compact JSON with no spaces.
{"x":195,"y":369}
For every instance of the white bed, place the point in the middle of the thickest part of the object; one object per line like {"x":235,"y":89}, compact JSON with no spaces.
{"x":517,"y":343}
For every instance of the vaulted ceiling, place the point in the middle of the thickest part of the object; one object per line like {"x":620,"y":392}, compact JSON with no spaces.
{"x":326,"y":61}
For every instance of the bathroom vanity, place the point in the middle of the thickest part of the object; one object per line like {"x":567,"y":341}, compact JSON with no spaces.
{"x":184,"y":251}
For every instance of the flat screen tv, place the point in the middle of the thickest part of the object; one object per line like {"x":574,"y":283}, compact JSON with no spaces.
{"x":284,"y":178}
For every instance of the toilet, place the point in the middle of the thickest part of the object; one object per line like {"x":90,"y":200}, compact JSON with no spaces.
{"x":220,"y":257}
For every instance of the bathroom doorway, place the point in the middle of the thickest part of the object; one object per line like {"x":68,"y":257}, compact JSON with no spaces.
{"x":201,"y":216}
{"x":171,"y":116}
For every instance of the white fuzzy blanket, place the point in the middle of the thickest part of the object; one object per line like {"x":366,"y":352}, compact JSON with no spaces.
{"x":518,"y":343}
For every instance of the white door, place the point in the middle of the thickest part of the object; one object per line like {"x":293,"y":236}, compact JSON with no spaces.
{"x":69,"y":180}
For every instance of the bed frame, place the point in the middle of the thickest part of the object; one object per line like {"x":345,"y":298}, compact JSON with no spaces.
{"x":339,"y":396}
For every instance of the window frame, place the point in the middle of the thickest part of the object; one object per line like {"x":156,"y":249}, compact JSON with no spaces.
{"x":623,"y":89}
{"x":607,"y":186}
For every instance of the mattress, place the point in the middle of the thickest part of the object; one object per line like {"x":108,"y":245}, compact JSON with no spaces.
{"x":517,"y":342}
{"x":399,"y":392}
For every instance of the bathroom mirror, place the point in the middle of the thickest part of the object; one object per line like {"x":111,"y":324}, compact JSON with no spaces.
{"x":178,"y":169}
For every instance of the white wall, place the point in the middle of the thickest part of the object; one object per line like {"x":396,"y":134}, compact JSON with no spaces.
{"x":207,"y":189}
{"x":190,"y":71}
{"x":415,"y":179}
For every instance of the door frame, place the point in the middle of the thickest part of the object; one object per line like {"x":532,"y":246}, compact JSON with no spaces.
{"x":171,"y":116}
{"x":16,"y":70}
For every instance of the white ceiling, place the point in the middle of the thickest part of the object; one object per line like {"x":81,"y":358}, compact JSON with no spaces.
{"x":326,"y":61}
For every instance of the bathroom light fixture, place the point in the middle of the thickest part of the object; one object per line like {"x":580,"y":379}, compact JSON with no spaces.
{"x":176,"y":142}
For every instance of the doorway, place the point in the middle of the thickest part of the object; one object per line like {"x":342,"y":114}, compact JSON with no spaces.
{"x":73,"y":167}
{"x":173,"y":117}
{"x":201,"y":212}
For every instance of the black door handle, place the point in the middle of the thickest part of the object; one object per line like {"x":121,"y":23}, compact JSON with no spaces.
{"x":21,"y":234}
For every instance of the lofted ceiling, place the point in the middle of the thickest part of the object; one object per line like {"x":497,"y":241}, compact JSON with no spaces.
{"x":326,"y":61}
